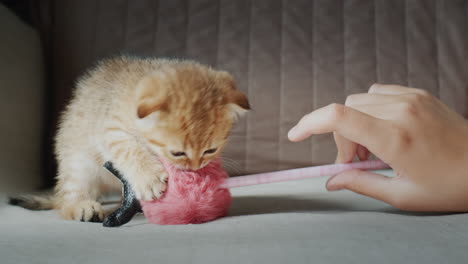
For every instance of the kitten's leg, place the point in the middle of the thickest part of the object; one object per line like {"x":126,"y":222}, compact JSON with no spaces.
{"x":78,"y":189}
{"x":139,"y":166}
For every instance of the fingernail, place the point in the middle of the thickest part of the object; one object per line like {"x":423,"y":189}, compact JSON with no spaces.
{"x":292,"y":134}
{"x":333,"y":185}
{"x":332,"y":188}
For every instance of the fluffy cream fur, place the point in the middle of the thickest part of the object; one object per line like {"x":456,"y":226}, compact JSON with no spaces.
{"x":132,"y":111}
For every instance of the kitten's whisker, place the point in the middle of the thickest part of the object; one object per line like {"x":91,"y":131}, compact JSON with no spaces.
{"x":232,"y":165}
{"x":231,"y":161}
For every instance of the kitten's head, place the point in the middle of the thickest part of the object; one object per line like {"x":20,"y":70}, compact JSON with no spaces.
{"x":186,"y":111}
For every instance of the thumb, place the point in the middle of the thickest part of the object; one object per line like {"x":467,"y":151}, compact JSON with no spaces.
{"x":363,"y":182}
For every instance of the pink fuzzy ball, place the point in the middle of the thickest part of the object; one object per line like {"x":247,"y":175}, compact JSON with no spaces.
{"x":192,"y":197}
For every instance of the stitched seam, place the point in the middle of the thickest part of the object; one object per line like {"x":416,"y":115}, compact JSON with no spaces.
{"x":155,"y":25}
{"x":125,"y":29}
{"x":437,"y":42}
{"x":218,"y":26}
{"x":314,"y":79}
{"x":406,"y":44}
{"x":96,"y":22}
{"x":466,"y":55}
{"x":247,"y":134}
{"x":313,"y":69}
{"x":187,"y":25}
{"x":345,"y":79}
{"x":377,"y":69}
{"x":280,"y":130}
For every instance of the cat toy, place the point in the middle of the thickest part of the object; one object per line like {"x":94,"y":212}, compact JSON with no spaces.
{"x":200,"y":196}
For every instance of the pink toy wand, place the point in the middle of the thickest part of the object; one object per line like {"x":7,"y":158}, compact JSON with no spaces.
{"x":302,"y":173}
{"x":193,"y":208}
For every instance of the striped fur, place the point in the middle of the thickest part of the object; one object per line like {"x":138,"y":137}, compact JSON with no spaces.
{"x":133,"y":111}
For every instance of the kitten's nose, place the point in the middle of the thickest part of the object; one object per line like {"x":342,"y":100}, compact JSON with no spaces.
{"x":195,"y":164}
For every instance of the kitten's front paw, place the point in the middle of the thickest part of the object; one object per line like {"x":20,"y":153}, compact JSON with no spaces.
{"x":150,"y":187}
{"x":84,"y":211}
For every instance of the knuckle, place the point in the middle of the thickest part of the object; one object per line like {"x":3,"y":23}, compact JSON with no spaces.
{"x":353,"y":180}
{"x":403,"y":139}
{"x":423,"y":93}
{"x":410,"y":109}
{"x":397,"y":202}
{"x":401,"y":203}
{"x":374,"y":87}
{"x":413,"y":103}
{"x":417,"y":98}
{"x":304,"y":118}
{"x":350,"y":100}
{"x":337,"y":111}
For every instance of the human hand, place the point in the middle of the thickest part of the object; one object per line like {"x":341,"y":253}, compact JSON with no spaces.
{"x":424,"y":142}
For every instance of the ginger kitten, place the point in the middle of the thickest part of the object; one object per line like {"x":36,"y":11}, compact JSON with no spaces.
{"x":132,"y":111}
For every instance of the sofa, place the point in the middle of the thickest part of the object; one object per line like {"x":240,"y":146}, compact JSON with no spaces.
{"x":289,"y":57}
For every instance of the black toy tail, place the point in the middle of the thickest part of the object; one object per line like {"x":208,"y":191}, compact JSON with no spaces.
{"x":130,"y":205}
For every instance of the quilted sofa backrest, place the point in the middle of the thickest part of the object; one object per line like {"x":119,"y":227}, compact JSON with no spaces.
{"x":289,"y":57}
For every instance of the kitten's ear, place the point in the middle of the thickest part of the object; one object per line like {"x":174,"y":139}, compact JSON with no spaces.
{"x":235,"y":99}
{"x":237,"y":102}
{"x":151,"y":95}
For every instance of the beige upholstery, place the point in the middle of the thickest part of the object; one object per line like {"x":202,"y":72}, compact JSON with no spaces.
{"x":290,"y":57}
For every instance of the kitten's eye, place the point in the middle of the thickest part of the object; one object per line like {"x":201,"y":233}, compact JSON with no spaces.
{"x":178,"y":153}
{"x":210,"y":151}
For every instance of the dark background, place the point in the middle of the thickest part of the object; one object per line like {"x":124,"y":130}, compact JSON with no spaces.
{"x":36,"y":13}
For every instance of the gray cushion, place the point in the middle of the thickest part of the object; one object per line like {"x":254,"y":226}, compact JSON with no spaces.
{"x":288,"y":222}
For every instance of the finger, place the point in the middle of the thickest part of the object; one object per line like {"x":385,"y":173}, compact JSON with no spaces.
{"x":366,"y":183}
{"x":368,"y":98}
{"x":363,"y":153}
{"x":394,"y":89}
{"x":381,"y":111}
{"x":346,"y":149}
{"x":354,"y":125}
